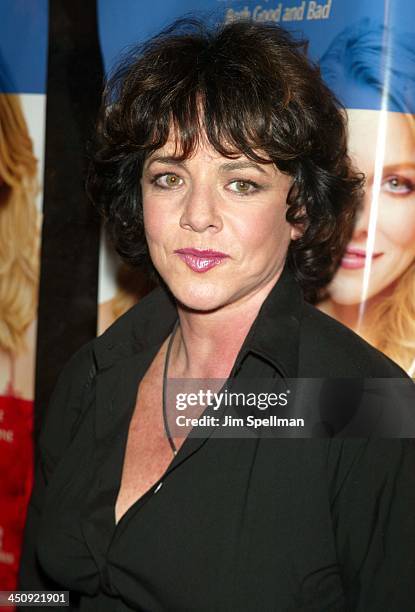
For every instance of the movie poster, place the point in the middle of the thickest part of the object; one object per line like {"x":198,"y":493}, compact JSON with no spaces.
{"x":366,"y":53}
{"x":22,"y":123}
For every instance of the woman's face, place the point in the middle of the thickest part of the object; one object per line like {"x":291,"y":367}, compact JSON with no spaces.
{"x":215,"y":227}
{"x":394,"y":238}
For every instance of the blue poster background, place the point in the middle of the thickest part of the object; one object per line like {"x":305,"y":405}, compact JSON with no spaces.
{"x":320,"y":22}
{"x":23,"y":46}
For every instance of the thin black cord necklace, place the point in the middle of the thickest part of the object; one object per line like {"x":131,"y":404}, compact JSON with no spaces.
{"x":166,"y":367}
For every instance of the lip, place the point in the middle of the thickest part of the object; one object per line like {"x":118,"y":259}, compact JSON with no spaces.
{"x":355,"y":258}
{"x":201,"y":260}
{"x":201,"y":252}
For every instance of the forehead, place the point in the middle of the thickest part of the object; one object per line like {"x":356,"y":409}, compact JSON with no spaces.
{"x":366,"y":127}
{"x":204,"y":151}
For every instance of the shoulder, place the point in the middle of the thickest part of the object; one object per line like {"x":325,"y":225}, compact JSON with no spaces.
{"x":75,"y":385}
{"x":65,"y":405}
{"x":80,"y":370}
{"x":77,"y":373}
{"x":140,"y":324}
{"x":329,"y":348}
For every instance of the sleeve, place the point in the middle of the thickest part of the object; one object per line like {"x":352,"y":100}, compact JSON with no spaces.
{"x":64,"y":410}
{"x":373,"y":509}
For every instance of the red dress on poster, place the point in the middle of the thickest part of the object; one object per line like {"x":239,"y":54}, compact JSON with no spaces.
{"x":16,"y":479}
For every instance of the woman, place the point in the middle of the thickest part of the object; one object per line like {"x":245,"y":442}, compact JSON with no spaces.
{"x":373,"y":291}
{"x":19,"y":267}
{"x":211,"y":165}
{"x":19,"y":255}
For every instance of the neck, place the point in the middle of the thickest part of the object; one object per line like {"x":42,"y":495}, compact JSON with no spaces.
{"x":207,"y":343}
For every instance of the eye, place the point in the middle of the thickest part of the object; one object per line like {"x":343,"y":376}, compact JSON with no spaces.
{"x":244,"y":187}
{"x":168,"y":180}
{"x":398,"y":185}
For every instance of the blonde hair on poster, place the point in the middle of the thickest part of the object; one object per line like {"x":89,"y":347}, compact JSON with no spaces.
{"x":19,"y":226}
{"x":393,"y":322}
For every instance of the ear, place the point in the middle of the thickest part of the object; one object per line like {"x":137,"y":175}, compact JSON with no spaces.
{"x":296,"y":232}
{"x":298,"y":229}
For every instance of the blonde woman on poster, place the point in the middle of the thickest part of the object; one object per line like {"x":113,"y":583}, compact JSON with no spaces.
{"x":19,"y":259}
{"x":19,"y":235}
{"x":373,"y":291}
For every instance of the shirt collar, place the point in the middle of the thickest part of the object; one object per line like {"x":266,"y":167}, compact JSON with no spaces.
{"x":274,"y":335}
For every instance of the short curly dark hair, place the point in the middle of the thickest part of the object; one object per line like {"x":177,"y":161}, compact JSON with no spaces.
{"x":251,"y":89}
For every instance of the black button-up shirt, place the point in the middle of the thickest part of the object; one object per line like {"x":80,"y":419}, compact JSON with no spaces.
{"x":234,"y":524}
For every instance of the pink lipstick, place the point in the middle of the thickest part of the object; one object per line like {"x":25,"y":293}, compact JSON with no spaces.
{"x":201,"y":260}
{"x":355,"y":258}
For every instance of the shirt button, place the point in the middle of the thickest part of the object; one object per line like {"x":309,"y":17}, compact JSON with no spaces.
{"x":158,"y":487}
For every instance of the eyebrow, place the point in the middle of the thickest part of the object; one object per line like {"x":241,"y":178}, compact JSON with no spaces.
{"x":165,"y":159}
{"x":226,"y":167}
{"x":242,"y":165}
{"x":399,"y":165}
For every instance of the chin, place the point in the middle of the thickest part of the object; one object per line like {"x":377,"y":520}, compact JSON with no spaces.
{"x":350,"y":294}
{"x":201,"y":295}
{"x":345,"y":300}
{"x":346,"y":293}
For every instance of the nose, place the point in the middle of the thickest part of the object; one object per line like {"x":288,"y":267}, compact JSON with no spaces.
{"x":201,"y":211}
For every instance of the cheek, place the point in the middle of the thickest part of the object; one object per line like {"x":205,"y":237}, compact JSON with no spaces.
{"x":396,"y":226}
{"x":155,"y":220}
{"x":265,"y":227}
